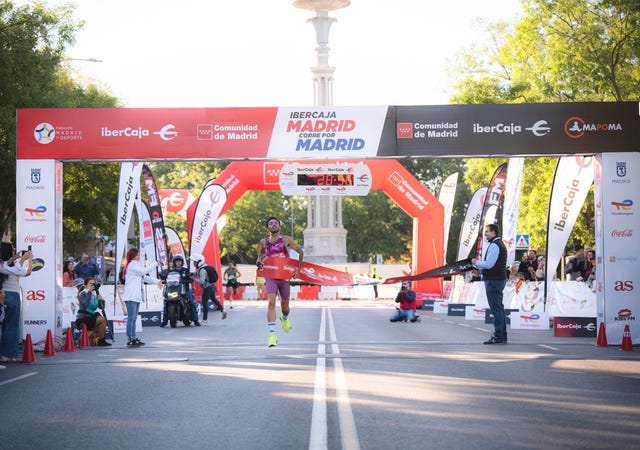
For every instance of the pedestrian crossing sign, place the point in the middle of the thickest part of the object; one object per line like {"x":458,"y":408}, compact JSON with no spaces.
{"x":522,"y":241}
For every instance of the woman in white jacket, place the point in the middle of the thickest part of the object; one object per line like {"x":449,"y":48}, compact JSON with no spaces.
{"x":135,"y":275}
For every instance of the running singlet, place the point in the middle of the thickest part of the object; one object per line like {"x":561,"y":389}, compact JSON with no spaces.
{"x":277,"y":248}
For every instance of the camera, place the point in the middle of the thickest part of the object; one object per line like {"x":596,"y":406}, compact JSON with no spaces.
{"x":403,"y":288}
{"x":96,"y":286}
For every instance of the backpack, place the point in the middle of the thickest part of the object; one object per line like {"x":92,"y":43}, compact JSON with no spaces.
{"x":212,"y":273}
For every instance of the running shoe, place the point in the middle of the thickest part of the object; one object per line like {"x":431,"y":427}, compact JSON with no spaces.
{"x":286,"y":325}
{"x":273,"y":340}
{"x":224,"y":315}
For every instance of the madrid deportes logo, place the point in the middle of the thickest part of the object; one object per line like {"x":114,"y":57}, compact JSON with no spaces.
{"x":44,"y":133}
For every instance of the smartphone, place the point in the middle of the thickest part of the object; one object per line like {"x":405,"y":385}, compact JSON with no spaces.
{"x":28,"y":248}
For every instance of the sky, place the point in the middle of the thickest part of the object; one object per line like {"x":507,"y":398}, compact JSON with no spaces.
{"x":197,"y":53}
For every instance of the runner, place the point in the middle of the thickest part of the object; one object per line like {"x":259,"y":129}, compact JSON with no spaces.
{"x":230,"y":277}
{"x":277,"y":244}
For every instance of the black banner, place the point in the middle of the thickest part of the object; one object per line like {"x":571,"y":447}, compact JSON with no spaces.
{"x":519,"y":129}
{"x":157,"y":220}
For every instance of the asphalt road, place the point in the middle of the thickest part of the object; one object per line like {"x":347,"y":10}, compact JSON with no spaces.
{"x":345,"y":378}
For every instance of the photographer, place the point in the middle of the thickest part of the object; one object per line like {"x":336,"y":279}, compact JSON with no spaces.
{"x":89,"y":300}
{"x":407,"y":299}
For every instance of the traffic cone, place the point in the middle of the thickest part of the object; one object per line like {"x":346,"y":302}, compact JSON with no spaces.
{"x":602,"y":337}
{"x":28,"y":355}
{"x":84,"y":337}
{"x":49,"y":348}
{"x":69,"y":346}
{"x":626,"y":346}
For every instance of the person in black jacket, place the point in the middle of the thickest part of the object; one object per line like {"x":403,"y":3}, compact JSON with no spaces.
{"x":493,"y":271}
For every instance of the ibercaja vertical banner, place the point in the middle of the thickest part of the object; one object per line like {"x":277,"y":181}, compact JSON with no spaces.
{"x":128,"y":191}
{"x":493,"y":199}
{"x":471,"y":224}
{"x":157,"y":220}
{"x":446,"y":197}
{"x":571,"y":184}
{"x":39,"y":226}
{"x":512,"y":207}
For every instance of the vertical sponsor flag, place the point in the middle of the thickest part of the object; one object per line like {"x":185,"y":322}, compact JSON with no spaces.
{"x":571,"y":183}
{"x":147,"y":243}
{"x":494,"y":197}
{"x":471,"y":224}
{"x":128,"y":190}
{"x":446,"y":197}
{"x":208,"y":208}
{"x":175,"y":243}
{"x":157,"y":220}
{"x":512,"y":207}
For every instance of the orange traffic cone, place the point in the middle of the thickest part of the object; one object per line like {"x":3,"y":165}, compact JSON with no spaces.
{"x":602,"y":337}
{"x":84,"y":337}
{"x":626,"y":346}
{"x":69,"y":346}
{"x":28,"y":355}
{"x":49,"y":348}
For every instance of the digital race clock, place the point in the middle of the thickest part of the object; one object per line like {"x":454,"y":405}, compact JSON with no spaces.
{"x":325,"y":179}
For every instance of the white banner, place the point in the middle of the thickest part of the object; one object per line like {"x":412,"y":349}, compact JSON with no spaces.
{"x":175,"y":244}
{"x":471,"y":224}
{"x":573,"y":178}
{"x":616,"y":284}
{"x":147,"y":241}
{"x":511,"y":207}
{"x":128,"y":190}
{"x":210,"y":203}
{"x":39,"y":225}
{"x":446,"y":197}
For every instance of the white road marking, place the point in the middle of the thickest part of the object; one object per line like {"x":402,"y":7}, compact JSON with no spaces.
{"x":318,"y":434}
{"x":348,"y":432}
{"x":548,"y":346}
{"x":11,"y":380}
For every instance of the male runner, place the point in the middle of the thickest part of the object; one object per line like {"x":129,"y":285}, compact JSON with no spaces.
{"x":277,"y":244}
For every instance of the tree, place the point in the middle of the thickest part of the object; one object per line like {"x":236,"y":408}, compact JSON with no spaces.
{"x":33,"y":39}
{"x":566,"y":50}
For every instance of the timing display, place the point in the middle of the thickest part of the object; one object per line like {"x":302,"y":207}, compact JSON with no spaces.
{"x":325,"y":179}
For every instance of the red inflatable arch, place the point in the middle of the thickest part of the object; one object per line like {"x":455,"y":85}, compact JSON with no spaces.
{"x":387,"y":175}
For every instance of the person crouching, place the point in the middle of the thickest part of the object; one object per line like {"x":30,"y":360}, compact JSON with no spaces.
{"x":407,"y":310}
{"x":88,"y":301}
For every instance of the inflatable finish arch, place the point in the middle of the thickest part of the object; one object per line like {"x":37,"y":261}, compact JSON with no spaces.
{"x":388,"y":176}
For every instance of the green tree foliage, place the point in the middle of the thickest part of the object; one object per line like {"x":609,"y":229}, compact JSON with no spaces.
{"x":33,"y":40}
{"x":566,"y":50}
{"x":376,"y":225}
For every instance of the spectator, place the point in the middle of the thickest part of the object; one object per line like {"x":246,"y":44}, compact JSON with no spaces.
{"x":13,"y":266}
{"x":375,"y":276}
{"x":68,"y":276}
{"x":407,"y":310}
{"x":86,"y":268}
{"x":576,"y":265}
{"x":261,"y":288}
{"x":135,"y":275}
{"x":529,"y":265}
{"x":540,"y":273}
{"x":207,"y":277}
{"x":89,"y":300}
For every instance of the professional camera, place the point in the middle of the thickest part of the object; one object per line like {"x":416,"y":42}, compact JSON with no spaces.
{"x":404,"y":287}
{"x":96,"y":286}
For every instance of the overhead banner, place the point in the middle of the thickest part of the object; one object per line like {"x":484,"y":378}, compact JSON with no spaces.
{"x":471,"y":224}
{"x":157,"y":220}
{"x":446,"y":197}
{"x":511,"y":207}
{"x":82,"y":134}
